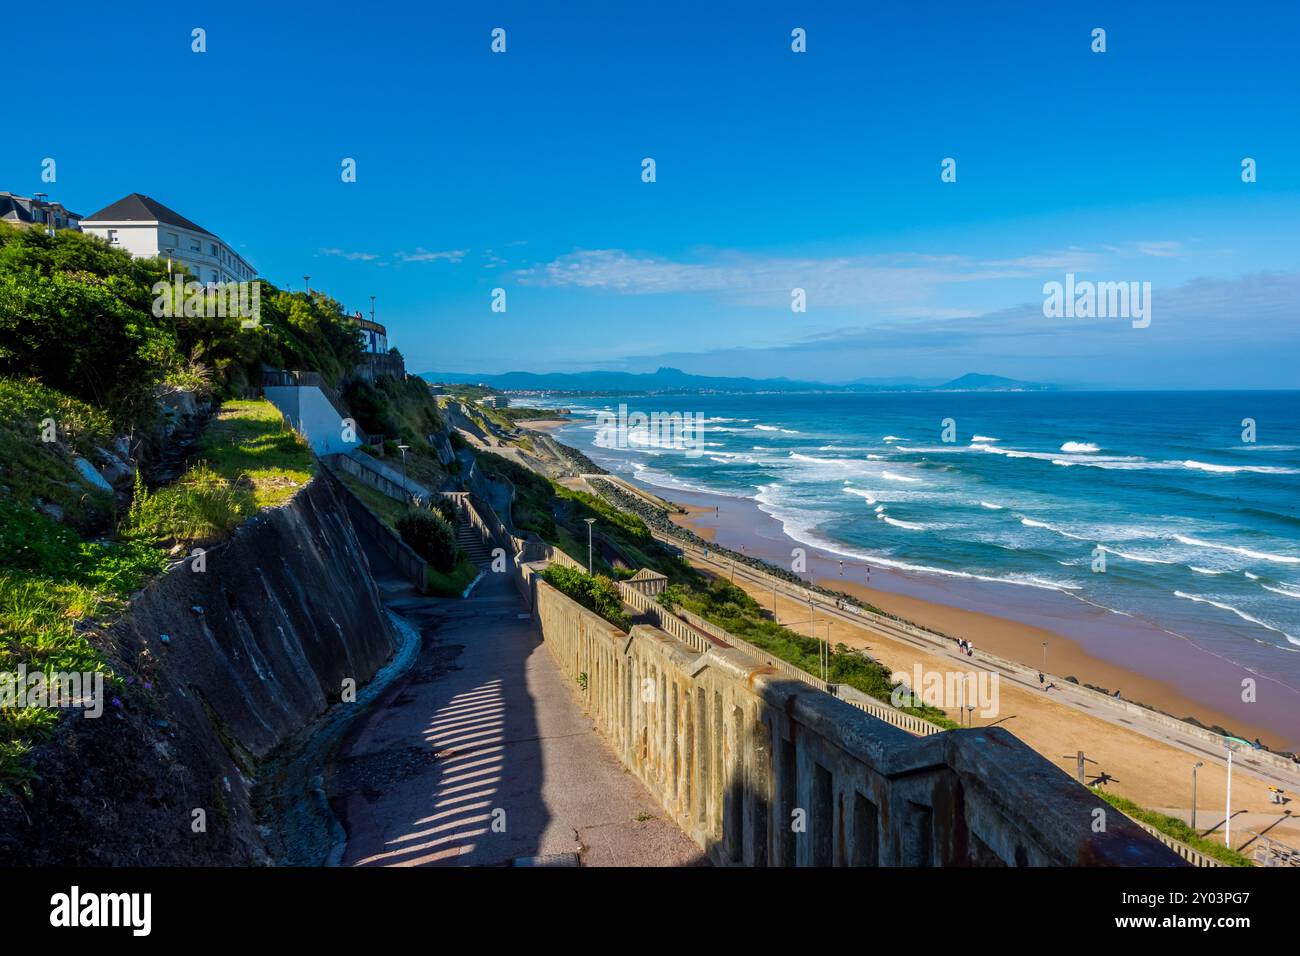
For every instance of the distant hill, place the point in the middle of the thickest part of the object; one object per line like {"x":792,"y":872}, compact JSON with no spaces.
{"x":675,"y":380}
{"x":662,"y":380}
{"x":972,"y":382}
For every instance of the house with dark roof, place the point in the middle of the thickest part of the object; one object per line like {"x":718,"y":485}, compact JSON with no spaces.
{"x":36,"y":211}
{"x":147,"y":229}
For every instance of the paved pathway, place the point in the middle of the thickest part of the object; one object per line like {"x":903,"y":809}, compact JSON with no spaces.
{"x":483,"y":756}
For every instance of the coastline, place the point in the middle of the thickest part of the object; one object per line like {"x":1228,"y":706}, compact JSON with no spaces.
{"x":546,"y":425}
{"x":1174,"y":678}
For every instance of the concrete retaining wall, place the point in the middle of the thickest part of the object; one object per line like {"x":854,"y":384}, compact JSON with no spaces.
{"x":762,"y":770}
{"x":413,"y":567}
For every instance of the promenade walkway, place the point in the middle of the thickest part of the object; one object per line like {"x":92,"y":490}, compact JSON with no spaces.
{"x":482,"y":754}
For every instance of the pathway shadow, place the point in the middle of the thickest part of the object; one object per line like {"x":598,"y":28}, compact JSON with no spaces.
{"x":448,"y":768}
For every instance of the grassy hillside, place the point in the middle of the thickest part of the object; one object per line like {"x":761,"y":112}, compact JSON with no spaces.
{"x":60,"y":579}
{"x":248,"y":459}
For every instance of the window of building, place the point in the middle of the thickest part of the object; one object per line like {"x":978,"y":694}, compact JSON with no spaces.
{"x":195,"y":245}
{"x":173,"y":241}
{"x":112,"y":236}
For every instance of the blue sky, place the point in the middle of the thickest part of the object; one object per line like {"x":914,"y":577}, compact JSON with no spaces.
{"x":774,"y":170}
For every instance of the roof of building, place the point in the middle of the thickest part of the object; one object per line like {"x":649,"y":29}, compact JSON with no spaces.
{"x":15,"y":208}
{"x":646,"y":574}
{"x":138,"y":207}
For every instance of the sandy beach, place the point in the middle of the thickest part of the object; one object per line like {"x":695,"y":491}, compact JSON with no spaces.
{"x":1174,"y":677}
{"x":544,"y":424}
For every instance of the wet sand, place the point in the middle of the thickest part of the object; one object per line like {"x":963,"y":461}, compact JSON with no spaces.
{"x":544,"y":424}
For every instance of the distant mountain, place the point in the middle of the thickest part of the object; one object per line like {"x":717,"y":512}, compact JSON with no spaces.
{"x":663,"y":380}
{"x":675,"y":380}
{"x":893,"y":382}
{"x":972,"y":382}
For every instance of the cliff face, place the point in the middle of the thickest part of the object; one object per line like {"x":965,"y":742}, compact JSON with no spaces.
{"x":257,"y":645}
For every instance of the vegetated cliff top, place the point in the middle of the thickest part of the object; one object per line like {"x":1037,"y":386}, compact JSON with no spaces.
{"x":83,"y":318}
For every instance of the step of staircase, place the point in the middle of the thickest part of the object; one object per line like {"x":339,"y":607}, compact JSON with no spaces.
{"x":467,"y":540}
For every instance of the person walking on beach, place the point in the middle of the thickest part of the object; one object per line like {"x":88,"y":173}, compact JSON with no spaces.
{"x":970,"y":649}
{"x":1041,"y":679}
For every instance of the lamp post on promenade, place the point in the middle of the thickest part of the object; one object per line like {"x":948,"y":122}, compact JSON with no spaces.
{"x":590,"y":563}
{"x":1195,"y":766}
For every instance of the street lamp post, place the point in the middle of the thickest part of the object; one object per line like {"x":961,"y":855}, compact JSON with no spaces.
{"x":1227,"y":810}
{"x":1044,"y":657}
{"x":306,"y":281}
{"x":372,"y":308}
{"x":1195,"y":766}
{"x":590,"y":564}
{"x":406,"y":491}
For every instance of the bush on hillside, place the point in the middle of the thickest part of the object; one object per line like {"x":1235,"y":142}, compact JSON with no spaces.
{"x":447,"y":508}
{"x":430,"y":536}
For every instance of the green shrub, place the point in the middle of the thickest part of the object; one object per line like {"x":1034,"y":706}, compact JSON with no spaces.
{"x":597,"y":593}
{"x":454,"y":582}
{"x":447,"y":508}
{"x":430,"y":536}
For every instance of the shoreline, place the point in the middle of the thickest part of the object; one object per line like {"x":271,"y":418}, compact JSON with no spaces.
{"x":545,"y":425}
{"x":951,"y":608}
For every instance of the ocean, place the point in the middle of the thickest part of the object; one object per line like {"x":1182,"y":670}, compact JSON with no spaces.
{"x":1149,"y":505}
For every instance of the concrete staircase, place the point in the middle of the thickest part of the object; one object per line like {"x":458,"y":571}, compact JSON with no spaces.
{"x":467,"y":540}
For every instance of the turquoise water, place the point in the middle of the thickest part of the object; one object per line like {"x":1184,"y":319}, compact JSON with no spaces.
{"x":1199,"y":531}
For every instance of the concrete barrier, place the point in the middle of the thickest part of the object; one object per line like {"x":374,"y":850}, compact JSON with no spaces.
{"x":762,"y":770}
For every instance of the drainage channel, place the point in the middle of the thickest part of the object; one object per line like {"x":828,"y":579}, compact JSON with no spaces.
{"x":309,"y":834}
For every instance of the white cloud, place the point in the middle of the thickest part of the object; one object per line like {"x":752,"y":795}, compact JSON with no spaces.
{"x":424,"y":255}
{"x":350,"y":256}
{"x":892,"y":284}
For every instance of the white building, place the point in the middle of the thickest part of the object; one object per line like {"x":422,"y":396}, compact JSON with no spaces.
{"x":147,"y":229}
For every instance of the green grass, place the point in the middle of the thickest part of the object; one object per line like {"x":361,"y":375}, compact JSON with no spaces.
{"x":387,"y":509}
{"x":454,"y":582}
{"x":52,"y":577}
{"x":732,"y":609}
{"x":1173,"y":827}
{"x":248,"y":459}
{"x":35,"y":471}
